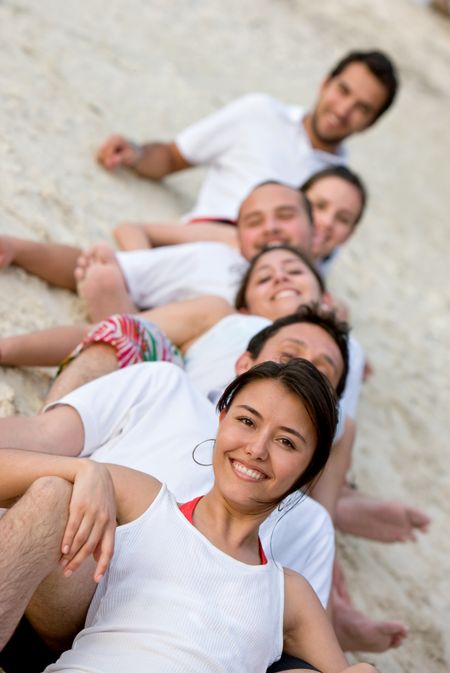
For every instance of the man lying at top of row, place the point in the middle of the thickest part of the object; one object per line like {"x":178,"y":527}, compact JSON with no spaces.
{"x":257,"y":138}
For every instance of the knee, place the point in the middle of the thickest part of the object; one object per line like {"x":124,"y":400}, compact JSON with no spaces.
{"x":50,"y":494}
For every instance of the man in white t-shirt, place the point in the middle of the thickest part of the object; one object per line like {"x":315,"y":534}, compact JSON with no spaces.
{"x":257,"y":138}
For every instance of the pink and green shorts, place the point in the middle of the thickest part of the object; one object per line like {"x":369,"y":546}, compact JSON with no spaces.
{"x":134,"y":340}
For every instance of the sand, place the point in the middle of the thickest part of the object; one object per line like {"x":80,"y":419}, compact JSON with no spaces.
{"x":73,"y":72}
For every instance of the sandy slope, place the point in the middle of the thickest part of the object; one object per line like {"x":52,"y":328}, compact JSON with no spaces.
{"x":72,"y":72}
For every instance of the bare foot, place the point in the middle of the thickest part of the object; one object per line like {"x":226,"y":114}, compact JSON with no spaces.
{"x":384,"y":521}
{"x":358,"y":633}
{"x":101,"y":284}
{"x":339,"y":585}
{"x":7,"y":251}
{"x":101,"y":253}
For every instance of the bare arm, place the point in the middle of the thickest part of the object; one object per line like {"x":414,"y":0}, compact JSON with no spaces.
{"x":185,"y":321}
{"x":97,"y":491}
{"x":130,"y":236}
{"x":151,"y":160}
{"x":45,"y":348}
{"x":308,"y":633}
{"x":58,"y":431}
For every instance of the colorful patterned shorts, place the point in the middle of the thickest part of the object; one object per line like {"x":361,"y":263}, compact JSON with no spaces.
{"x":134,"y":340}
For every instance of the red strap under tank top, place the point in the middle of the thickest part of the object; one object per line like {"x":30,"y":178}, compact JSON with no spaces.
{"x":188,"y":510}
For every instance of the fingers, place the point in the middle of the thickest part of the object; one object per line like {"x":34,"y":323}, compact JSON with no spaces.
{"x":103,"y":553}
{"x":109,"y":154}
{"x":116,"y":151}
{"x":90,"y":537}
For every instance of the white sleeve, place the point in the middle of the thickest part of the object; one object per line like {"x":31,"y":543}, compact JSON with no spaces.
{"x":179,"y":272}
{"x":209,"y":138}
{"x":105,"y":405}
{"x":302,"y":538}
{"x":350,"y":398}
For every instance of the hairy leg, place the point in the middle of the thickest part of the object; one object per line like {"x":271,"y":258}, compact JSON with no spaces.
{"x":384,"y":521}
{"x":31,"y":533}
{"x":101,"y":284}
{"x":52,"y":262}
{"x":57,"y":610}
{"x":97,"y":360}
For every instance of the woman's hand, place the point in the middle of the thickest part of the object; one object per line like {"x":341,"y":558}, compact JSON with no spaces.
{"x":92,"y":519}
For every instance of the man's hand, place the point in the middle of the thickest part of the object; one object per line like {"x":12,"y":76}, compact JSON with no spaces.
{"x":118,"y":151}
{"x":92,"y":519}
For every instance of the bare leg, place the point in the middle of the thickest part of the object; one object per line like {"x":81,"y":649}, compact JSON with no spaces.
{"x":31,"y":533}
{"x":53,"y":262}
{"x":384,"y":521}
{"x":358,"y":633}
{"x":101,"y":284}
{"x":45,"y":348}
{"x":97,"y":360}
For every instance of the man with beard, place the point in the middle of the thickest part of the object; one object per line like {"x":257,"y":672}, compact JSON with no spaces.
{"x":258,"y":138}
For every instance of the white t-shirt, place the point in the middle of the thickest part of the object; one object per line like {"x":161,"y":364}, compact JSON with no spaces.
{"x":150,"y":417}
{"x":253,"y":139}
{"x":177,"y":272}
{"x":210,"y":361}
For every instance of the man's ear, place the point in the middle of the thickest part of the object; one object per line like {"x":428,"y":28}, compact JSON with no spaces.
{"x":244,"y":310}
{"x":327,"y":300}
{"x":325,"y":83}
{"x":222,"y":415}
{"x":244,"y":363}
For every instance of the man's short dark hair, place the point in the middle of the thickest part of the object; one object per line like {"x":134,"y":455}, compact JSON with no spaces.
{"x":324,"y":318}
{"x":302,"y":198}
{"x":380,"y":65}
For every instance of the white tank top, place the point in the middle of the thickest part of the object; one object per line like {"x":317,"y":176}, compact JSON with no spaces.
{"x":172,"y":602}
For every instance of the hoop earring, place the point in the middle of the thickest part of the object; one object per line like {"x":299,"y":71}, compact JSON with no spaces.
{"x":195,"y":449}
{"x":291,"y":501}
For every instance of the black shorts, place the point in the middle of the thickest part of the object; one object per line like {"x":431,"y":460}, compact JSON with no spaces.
{"x":25,"y":646}
{"x":26,"y":651}
{"x":287,"y":662}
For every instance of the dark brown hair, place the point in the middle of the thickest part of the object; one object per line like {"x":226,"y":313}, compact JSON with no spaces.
{"x":241,"y":301}
{"x":380,"y":65}
{"x":312,"y":389}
